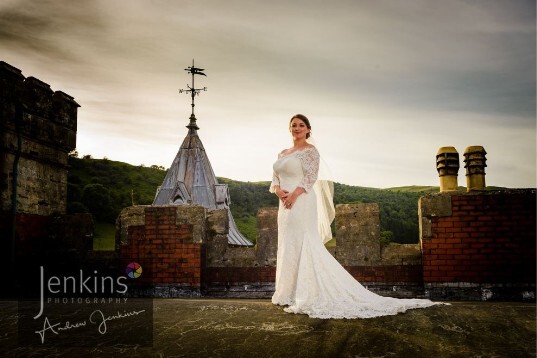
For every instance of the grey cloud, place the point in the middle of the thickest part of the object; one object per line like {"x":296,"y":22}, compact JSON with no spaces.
{"x":123,"y":59}
{"x":38,"y":26}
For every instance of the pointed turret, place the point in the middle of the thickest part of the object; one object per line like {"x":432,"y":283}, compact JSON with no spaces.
{"x":191,"y":180}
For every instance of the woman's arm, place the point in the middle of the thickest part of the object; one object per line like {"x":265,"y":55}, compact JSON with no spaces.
{"x":310,"y":166}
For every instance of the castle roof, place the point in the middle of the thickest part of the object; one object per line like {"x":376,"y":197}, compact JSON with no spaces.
{"x":191,"y":180}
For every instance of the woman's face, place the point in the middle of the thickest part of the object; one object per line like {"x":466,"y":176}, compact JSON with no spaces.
{"x":298,"y":128}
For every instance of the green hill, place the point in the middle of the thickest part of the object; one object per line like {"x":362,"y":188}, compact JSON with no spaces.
{"x":398,"y":206}
{"x":103,"y":187}
{"x":415,"y":189}
{"x":433,"y":189}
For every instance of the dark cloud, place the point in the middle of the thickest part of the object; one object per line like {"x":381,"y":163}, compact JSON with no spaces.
{"x":385,"y":66}
{"x":40,"y":26}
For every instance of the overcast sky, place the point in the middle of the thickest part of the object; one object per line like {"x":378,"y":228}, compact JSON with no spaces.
{"x":384,"y":83}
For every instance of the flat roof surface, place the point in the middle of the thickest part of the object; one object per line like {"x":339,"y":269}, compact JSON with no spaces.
{"x":256,"y":328}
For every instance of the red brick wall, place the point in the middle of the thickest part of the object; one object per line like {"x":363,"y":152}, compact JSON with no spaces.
{"x":393,"y":273}
{"x":37,"y":235}
{"x":31,"y":230}
{"x":163,"y":249}
{"x":476,"y":238}
{"x":489,"y":238}
{"x":233,"y":275}
{"x":388,"y":273}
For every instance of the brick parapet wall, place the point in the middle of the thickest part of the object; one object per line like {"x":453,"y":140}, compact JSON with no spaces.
{"x":62,"y":242}
{"x":395,"y":270}
{"x":486,"y":238}
{"x":391,"y":273}
{"x":232,"y":275}
{"x":164,"y":249}
{"x":40,"y":237}
{"x":396,"y":280}
{"x":149,"y":233}
{"x":475,"y":246}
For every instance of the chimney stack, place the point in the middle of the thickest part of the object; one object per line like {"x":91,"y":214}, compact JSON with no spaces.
{"x":475,"y":163}
{"x":447,"y":165}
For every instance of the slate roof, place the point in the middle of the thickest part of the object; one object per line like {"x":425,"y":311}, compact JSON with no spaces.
{"x":191,"y":180}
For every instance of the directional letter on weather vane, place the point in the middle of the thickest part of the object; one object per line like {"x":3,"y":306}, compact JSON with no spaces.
{"x":193,"y":92}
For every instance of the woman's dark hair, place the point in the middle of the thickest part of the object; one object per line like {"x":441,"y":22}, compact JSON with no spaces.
{"x":304,"y":119}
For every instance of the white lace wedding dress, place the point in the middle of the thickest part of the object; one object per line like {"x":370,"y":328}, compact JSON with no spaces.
{"x":309,"y":279}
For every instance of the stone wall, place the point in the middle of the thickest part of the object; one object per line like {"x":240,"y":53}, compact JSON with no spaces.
{"x":233,"y":271}
{"x":479,"y":245}
{"x":238,"y":271}
{"x":358,"y":234}
{"x":475,"y":246}
{"x":38,"y":130}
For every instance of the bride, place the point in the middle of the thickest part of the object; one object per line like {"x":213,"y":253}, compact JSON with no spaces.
{"x":309,"y":279}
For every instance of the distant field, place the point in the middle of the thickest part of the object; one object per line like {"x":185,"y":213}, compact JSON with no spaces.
{"x":104,"y":239}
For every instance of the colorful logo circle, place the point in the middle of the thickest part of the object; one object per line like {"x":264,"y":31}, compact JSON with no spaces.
{"x":134,"y":270}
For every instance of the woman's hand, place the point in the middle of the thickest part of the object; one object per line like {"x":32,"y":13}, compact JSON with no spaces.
{"x":290,"y":199}
{"x":280,"y":193}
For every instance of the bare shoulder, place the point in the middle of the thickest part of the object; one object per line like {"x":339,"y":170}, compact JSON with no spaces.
{"x":283,"y":152}
{"x":309,"y":148}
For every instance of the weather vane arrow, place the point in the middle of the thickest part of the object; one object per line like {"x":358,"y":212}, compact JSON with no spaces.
{"x":193,"y":92}
{"x":194,"y":70}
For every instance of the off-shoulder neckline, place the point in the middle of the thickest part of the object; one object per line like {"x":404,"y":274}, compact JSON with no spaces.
{"x":281,"y":155}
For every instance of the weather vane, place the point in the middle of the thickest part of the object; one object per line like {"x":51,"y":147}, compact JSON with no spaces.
{"x":193,"y":92}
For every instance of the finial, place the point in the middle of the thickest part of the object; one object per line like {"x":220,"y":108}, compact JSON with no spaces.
{"x":193,"y":92}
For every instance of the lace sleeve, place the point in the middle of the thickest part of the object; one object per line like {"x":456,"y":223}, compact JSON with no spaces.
{"x":310,"y":159}
{"x":275,"y":178}
{"x":275,"y":181}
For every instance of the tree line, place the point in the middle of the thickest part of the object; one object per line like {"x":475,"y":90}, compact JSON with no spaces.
{"x":104,"y":187}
